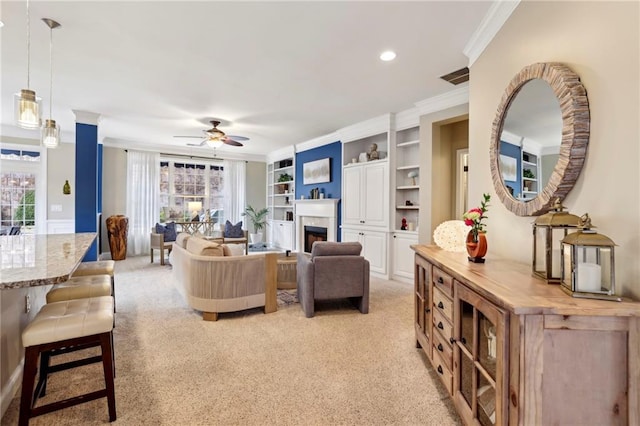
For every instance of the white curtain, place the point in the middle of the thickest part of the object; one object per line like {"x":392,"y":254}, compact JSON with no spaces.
{"x":143,"y":202}
{"x":234,"y":191}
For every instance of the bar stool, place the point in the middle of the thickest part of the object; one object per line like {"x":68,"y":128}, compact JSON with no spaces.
{"x":65,"y":327}
{"x":98,"y":267}
{"x":80,"y":288}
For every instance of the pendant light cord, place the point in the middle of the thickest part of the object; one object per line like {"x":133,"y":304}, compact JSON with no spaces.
{"x":50,"y":69}
{"x":28,"y":44}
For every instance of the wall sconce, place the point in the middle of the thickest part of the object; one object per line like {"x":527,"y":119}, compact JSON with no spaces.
{"x":66,"y":188}
{"x":588,"y":267}
{"x":548,"y":231}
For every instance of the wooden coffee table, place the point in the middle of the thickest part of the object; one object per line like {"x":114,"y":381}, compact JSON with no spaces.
{"x":287,"y":270}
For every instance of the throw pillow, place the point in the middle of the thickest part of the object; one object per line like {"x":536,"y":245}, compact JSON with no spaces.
{"x":233,"y":231}
{"x":169,"y":231}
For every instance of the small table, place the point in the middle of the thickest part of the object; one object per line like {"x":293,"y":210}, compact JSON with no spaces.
{"x":287,"y":271}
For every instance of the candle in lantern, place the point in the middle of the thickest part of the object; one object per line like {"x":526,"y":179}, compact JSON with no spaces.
{"x":589,"y":277}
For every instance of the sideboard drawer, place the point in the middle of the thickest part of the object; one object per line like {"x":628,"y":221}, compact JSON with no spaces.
{"x":443,"y":303}
{"x":443,"y":281}
{"x":443,"y":372}
{"x":444,"y":350}
{"x":443,"y":326}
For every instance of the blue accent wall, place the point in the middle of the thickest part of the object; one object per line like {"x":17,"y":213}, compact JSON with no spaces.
{"x":87,"y":190}
{"x":511,"y":150}
{"x":331,"y":189}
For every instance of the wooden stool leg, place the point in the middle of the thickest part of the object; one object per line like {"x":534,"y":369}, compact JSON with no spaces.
{"x":109,"y":372}
{"x":28,"y":379}
{"x":113,"y":293}
{"x":41,"y":387}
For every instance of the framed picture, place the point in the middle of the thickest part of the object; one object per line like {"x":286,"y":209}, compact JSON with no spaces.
{"x":318,"y":171}
{"x":508,"y":166}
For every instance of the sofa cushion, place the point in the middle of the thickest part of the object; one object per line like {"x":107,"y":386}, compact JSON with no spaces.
{"x":226,"y":250}
{"x":181,"y":239}
{"x":203,"y":247}
{"x":169,"y":231}
{"x":233,"y":231}
{"x":325,"y":248}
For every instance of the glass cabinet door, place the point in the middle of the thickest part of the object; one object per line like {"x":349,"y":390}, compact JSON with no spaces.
{"x":479,"y":353}
{"x":422,"y":277}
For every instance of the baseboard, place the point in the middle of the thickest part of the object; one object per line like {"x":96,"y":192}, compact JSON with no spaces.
{"x":10,"y":391}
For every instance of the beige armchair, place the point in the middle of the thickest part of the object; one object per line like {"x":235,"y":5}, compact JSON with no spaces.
{"x":333,"y":271}
{"x":158,"y":243}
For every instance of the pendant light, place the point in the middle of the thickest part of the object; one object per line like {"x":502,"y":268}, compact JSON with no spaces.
{"x":50,"y":135}
{"x":26,"y":104}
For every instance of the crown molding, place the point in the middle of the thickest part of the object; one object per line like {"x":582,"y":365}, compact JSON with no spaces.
{"x":363,"y":129}
{"x":493,"y":20}
{"x":86,"y":117}
{"x":407,"y":118}
{"x":441,"y":102}
{"x":282,"y":153}
{"x":317,"y":142}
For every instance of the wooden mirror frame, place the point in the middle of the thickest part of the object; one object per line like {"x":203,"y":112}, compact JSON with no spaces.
{"x":574,"y":107}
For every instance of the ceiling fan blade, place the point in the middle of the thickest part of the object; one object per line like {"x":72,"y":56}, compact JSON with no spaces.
{"x":238,"y":138}
{"x":231,"y":142}
{"x":194,"y":137}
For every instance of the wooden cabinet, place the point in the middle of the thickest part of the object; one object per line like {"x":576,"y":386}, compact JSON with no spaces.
{"x":366,"y":194}
{"x":511,"y":349}
{"x":374,"y":247}
{"x":402,"y":255}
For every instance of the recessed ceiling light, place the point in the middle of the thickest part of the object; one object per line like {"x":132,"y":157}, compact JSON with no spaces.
{"x":389,"y":55}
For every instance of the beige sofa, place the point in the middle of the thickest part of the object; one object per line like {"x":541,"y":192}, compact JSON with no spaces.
{"x":213,"y":282}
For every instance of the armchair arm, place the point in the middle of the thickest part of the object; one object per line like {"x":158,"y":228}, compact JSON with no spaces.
{"x":305,"y":275}
{"x":157,"y":240}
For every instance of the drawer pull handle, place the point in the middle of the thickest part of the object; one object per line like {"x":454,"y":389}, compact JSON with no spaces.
{"x":440,"y":280}
{"x":427,"y":310}
{"x":452,"y":340}
{"x":440,"y":326}
{"x":440,"y":305}
{"x":463,"y":340}
{"x":440,"y":348}
{"x":440,"y":369}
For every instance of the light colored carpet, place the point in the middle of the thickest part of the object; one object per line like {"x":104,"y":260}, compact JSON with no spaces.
{"x":248,"y":368}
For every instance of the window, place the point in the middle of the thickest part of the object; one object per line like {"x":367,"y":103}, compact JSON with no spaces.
{"x":18,"y":190}
{"x":182,"y":183}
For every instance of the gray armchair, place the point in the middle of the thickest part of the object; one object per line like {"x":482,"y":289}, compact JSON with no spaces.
{"x":333,"y":271}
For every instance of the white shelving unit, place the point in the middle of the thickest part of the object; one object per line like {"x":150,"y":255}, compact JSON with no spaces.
{"x":407,"y":189}
{"x":280,"y":197}
{"x":530,"y":185}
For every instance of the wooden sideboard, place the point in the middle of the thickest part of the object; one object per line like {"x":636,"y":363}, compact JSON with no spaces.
{"x":511,"y":349}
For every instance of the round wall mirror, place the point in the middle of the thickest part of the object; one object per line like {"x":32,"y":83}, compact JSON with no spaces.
{"x":539,"y":138}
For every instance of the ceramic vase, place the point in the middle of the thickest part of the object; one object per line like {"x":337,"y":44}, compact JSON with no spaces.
{"x":477,"y":249}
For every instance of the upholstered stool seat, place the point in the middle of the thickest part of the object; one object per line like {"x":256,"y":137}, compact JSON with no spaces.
{"x":64,"y":327}
{"x":98,"y":267}
{"x":80,"y":288}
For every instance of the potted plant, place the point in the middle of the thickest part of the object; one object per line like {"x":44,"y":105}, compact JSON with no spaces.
{"x":259,"y":220}
{"x":283,"y":187}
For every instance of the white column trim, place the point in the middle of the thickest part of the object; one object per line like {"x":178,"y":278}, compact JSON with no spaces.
{"x":86,"y":117}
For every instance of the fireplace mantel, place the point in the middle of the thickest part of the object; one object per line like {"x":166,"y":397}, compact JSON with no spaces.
{"x":317,"y":212}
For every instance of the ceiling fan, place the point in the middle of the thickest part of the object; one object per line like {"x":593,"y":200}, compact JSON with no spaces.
{"x":215,"y":137}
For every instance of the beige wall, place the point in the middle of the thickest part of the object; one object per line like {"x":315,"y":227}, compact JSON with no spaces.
{"x":600,"y":41}
{"x":114,"y":187}
{"x":61,"y":166}
{"x":256,"y":186}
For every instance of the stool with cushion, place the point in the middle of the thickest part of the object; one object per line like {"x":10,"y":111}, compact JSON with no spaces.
{"x":98,"y":267}
{"x":80,"y":288}
{"x":64,"y":327}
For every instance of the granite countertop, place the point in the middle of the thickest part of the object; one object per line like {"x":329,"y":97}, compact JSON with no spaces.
{"x":33,"y":260}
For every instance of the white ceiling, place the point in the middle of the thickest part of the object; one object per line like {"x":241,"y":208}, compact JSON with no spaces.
{"x":279,"y":73}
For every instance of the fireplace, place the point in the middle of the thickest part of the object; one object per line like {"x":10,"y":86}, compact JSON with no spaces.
{"x":320,"y":213}
{"x":313,"y":234}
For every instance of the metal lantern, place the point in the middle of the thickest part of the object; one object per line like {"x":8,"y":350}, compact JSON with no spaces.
{"x":588,"y":267}
{"x":548,"y":231}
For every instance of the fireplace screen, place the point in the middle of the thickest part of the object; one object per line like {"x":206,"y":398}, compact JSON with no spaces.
{"x":313,"y":234}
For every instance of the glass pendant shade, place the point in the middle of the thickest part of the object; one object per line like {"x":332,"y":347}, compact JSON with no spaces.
{"x":214,"y":143}
{"x":27,"y":109}
{"x":50,"y":135}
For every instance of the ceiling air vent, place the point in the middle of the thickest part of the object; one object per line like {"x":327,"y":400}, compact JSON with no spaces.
{"x":457,"y":77}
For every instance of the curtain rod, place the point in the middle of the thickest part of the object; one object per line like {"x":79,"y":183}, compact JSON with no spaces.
{"x":190,"y":156}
